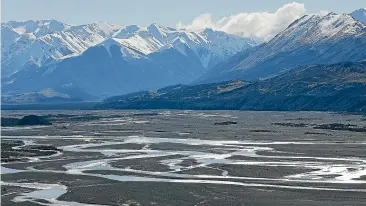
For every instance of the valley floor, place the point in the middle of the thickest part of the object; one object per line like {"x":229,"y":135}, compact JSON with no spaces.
{"x":183,"y":157}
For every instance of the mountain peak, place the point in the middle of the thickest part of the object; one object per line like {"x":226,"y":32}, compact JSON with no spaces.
{"x":360,"y":10}
{"x":156,"y":25}
{"x":38,"y":27}
{"x":127,"y":32}
{"x":103,"y":28}
{"x":209,"y":31}
{"x":158,"y":31}
{"x":359,"y":15}
{"x":317,"y":27}
{"x":100,"y":23}
{"x":331,"y":14}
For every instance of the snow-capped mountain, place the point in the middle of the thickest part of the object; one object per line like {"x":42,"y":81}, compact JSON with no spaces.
{"x":37,"y":28}
{"x":359,"y":15}
{"x":40,"y":42}
{"x":102,"y":59}
{"x":210,"y":46}
{"x":312,"y":39}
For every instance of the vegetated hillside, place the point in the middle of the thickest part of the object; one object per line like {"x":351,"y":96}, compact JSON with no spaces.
{"x":337,"y":87}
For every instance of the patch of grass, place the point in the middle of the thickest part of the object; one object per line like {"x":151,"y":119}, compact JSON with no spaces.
{"x":337,"y":126}
{"x":225,"y":123}
{"x":288,"y":124}
{"x":28,"y":120}
{"x":9,"y":154}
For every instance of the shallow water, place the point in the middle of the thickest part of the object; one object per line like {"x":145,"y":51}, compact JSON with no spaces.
{"x":193,"y":136}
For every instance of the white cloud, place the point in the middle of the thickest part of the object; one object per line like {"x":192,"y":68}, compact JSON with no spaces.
{"x":261,"y":26}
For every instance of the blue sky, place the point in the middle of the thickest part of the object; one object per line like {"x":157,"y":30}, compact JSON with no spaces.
{"x":144,"y":12}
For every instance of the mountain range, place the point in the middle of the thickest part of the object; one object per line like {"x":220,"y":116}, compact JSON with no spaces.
{"x":312,"y":39}
{"x":99,"y":59}
{"x":46,"y":61}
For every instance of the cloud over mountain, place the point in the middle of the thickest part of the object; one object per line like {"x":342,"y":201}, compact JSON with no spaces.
{"x":261,"y":26}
